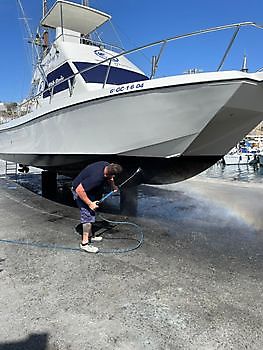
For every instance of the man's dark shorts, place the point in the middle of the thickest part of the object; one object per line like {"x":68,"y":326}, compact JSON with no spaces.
{"x":86,"y":214}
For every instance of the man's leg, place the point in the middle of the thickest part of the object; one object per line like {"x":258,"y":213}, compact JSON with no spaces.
{"x":87,"y":217}
{"x":87,"y":232}
{"x":86,"y":239}
{"x":87,"y":236}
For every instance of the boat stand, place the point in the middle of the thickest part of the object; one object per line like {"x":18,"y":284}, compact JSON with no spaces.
{"x":49,"y":184}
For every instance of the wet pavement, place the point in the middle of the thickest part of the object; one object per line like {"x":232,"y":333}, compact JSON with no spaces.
{"x":195,"y":283}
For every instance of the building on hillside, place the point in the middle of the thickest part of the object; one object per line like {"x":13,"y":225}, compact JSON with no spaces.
{"x":255,"y":137}
{"x":257,"y":132}
{"x":2,"y":107}
{"x":4,"y":116}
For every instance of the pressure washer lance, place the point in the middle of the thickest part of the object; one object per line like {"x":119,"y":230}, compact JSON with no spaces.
{"x":120,"y":186}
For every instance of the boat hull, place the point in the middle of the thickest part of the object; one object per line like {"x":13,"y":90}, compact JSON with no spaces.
{"x":167,"y":126}
{"x":155,"y":170}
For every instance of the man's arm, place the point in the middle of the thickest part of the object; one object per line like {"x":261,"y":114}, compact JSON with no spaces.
{"x":83,"y":196}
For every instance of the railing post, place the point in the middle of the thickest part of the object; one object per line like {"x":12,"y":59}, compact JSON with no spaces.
{"x":51,"y":94}
{"x":71,"y":86}
{"x":107,"y":74}
{"x":154,"y":66}
{"x":156,"y":60}
{"x":228,"y":49}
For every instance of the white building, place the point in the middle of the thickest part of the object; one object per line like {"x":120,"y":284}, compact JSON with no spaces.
{"x":2,"y":107}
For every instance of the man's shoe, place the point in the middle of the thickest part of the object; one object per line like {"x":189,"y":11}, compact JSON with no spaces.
{"x":88,"y":248}
{"x":96,"y":239}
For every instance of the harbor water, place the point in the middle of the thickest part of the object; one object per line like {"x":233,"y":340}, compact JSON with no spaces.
{"x":243,"y":173}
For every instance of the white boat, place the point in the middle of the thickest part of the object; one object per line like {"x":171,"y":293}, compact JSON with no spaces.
{"x":243,"y":154}
{"x":239,"y":158}
{"x":90,"y":102}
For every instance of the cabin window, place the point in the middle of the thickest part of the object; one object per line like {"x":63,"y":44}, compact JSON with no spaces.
{"x":117,"y":76}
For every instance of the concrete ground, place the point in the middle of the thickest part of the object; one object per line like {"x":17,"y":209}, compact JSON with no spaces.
{"x":195,"y":283}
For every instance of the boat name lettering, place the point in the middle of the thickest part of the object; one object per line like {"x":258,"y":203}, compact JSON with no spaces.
{"x":127,"y":88}
{"x":56,"y":81}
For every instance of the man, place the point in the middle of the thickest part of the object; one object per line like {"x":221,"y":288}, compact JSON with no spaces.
{"x":87,"y":188}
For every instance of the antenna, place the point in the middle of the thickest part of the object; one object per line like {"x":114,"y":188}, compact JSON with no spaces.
{"x":244,"y":65}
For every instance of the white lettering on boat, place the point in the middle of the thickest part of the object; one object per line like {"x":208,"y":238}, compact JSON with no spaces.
{"x":56,"y":81}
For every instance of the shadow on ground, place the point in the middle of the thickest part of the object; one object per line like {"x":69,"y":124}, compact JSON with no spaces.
{"x":32,"y":342}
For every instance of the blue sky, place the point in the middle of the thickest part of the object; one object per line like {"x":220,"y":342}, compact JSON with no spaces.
{"x":139,"y":22}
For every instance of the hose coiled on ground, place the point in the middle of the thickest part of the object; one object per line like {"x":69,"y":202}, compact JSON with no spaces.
{"x":101,"y":251}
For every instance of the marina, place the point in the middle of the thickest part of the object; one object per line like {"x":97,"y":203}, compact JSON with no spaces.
{"x":196,"y":279}
{"x":243,"y":173}
{"x":81,"y":82}
{"x":178,"y":263}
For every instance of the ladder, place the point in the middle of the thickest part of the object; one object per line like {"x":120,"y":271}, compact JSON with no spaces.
{"x":11,"y":169}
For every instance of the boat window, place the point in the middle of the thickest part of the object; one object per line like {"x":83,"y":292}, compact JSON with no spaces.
{"x":117,"y":76}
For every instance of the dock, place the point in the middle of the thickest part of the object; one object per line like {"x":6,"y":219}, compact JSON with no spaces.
{"x":195,"y":282}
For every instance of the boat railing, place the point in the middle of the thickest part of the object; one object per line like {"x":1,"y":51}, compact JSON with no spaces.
{"x":33,"y":102}
{"x":87,"y":40}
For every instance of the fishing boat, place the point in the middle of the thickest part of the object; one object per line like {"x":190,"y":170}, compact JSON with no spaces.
{"x":89,"y":102}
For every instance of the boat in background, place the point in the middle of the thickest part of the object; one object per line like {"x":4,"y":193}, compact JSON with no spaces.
{"x":89,"y":102}
{"x":245,"y":153}
{"x":239,"y":158}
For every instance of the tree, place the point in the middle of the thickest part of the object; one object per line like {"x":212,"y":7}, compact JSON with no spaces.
{"x":11,"y":108}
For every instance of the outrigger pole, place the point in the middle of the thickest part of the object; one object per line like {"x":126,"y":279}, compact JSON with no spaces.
{"x":32,"y":41}
{"x":44,"y":7}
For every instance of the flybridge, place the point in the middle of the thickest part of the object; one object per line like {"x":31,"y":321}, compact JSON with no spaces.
{"x":75,"y":17}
